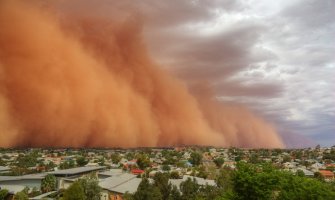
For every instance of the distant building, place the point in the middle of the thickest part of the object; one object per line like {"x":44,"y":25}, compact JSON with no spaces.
{"x":328,"y":175}
{"x":200,"y":181}
{"x":67,"y":176}
{"x":31,"y":181}
{"x":4,"y":169}
{"x":137,"y":171}
{"x":115,"y":186}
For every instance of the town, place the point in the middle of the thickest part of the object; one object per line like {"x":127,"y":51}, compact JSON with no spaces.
{"x":162,"y":173}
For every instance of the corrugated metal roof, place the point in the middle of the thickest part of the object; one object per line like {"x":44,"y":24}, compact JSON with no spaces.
{"x":13,"y":189}
{"x":121,"y":183}
{"x":4,"y":168}
{"x":77,"y":170}
{"x":24,"y":177}
{"x":129,"y":186}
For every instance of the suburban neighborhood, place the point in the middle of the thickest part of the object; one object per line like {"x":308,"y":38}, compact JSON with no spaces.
{"x":118,"y":173}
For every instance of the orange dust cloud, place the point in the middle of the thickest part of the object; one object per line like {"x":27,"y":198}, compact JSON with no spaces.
{"x":86,"y":82}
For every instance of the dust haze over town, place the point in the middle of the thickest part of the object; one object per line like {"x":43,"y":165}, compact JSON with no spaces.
{"x":83,"y":74}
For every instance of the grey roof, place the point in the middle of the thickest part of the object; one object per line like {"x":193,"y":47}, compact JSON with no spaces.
{"x":116,"y":180}
{"x":176,"y":182}
{"x":129,"y":186}
{"x":24,"y":177}
{"x":200,"y":181}
{"x":77,"y":170}
{"x":121,"y":183}
{"x":4,"y":168}
{"x":13,"y":189}
{"x":112,"y":172}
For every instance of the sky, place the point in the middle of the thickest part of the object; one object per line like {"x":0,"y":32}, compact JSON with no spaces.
{"x":273,"y":58}
{"x":276,"y":57}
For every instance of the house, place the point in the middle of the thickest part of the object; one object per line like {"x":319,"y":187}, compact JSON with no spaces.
{"x":12,"y":189}
{"x":316,"y":166}
{"x":230,"y":164}
{"x":137,"y":171}
{"x":328,"y":175}
{"x":307,"y":173}
{"x":31,"y":181}
{"x":290,"y":165}
{"x":90,"y":164}
{"x":4,"y":169}
{"x":67,"y":176}
{"x":200,"y":181}
{"x":115,"y":186}
{"x":109,"y":173}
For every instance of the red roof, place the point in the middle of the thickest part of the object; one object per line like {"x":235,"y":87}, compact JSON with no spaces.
{"x":326,"y":173}
{"x":137,"y":171}
{"x":330,"y":165}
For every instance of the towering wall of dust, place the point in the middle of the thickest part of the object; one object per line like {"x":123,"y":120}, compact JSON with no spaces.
{"x":86,"y":82}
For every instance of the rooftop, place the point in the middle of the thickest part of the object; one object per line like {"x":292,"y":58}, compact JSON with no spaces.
{"x":112,"y":172}
{"x":326,"y":173}
{"x":3,"y":168}
{"x":121,"y":183}
{"x":24,"y":177}
{"x":13,"y":189}
{"x":77,"y":170}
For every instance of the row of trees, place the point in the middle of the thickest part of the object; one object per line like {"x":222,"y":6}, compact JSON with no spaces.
{"x":248,"y":182}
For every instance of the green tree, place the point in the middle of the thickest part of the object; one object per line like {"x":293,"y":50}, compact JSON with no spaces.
{"x":189,"y":189}
{"x":287,"y":158}
{"x":174,"y":194}
{"x":219,"y":162}
{"x":174,"y":175}
{"x":101,"y":161}
{"x":224,"y":179}
{"x":115,"y":158}
{"x":91,"y":187}
{"x":254,"y":158}
{"x":3,"y":194}
{"x":21,"y":196}
{"x":75,"y":192}
{"x":300,"y":173}
{"x":208,"y":192}
{"x":35,"y":192}
{"x":129,"y":156}
{"x":128,"y":196}
{"x":146,"y":191}
{"x":48,"y":183}
{"x":166,"y":167}
{"x":50,"y":166}
{"x":2,"y":162}
{"x":319,"y":176}
{"x":196,"y":158}
{"x":255,"y":183}
{"x":296,"y":188}
{"x":143,"y":161}
{"x":202,"y":173}
{"x":26,"y":161}
{"x":81,"y":161}
{"x":67,"y":164}
{"x":161,"y":181}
